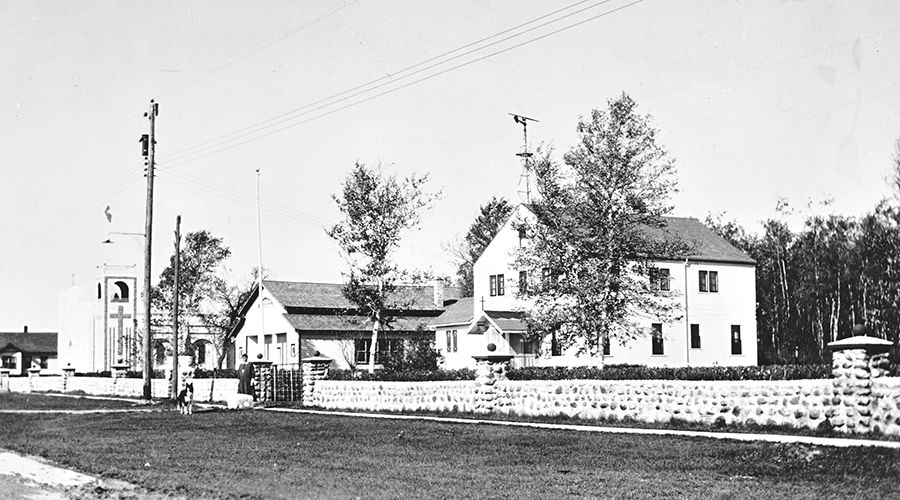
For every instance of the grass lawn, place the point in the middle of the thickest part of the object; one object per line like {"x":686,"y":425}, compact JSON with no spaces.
{"x":40,"y":401}
{"x":258,"y":454}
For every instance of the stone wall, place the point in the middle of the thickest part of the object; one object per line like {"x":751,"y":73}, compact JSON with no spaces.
{"x":456,"y":396}
{"x":122,"y":387}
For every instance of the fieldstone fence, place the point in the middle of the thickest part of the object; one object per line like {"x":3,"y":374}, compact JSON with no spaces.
{"x":858,"y":399}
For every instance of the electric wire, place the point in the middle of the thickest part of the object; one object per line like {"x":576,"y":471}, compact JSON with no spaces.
{"x":393,"y":76}
{"x":175,"y":163}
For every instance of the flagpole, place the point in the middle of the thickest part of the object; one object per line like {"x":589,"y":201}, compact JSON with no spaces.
{"x":259,"y":273}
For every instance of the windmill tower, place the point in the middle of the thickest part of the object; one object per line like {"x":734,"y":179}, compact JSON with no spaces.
{"x":525,"y":154}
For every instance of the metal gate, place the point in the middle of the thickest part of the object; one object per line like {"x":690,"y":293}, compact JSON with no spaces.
{"x":287,"y":382}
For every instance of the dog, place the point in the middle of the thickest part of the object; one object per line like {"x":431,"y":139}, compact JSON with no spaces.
{"x":185,"y":400}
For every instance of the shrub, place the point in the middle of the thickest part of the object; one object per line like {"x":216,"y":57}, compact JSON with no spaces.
{"x":215,"y":373}
{"x":641,"y":372}
{"x":403,"y":376}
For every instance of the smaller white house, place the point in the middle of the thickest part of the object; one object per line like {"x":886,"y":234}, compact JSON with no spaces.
{"x":21,"y":351}
{"x":296,"y":320}
{"x":715,"y":288}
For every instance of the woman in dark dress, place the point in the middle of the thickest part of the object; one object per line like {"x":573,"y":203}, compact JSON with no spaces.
{"x":245,"y":377}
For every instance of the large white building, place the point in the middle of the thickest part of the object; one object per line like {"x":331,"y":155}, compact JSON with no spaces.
{"x":716,"y":288}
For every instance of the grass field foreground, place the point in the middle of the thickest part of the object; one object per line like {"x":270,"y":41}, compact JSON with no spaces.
{"x":259,"y":454}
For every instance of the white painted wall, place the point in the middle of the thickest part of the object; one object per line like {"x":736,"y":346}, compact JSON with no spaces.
{"x":715,"y":313}
{"x":268,"y":333}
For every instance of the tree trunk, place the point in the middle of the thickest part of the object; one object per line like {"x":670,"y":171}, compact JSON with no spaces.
{"x":373,"y":349}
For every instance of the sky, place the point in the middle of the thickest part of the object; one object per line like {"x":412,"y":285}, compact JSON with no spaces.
{"x":755,"y":100}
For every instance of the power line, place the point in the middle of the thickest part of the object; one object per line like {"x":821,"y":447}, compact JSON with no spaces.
{"x":389,"y":91}
{"x":248,"y":54}
{"x":393,"y":76}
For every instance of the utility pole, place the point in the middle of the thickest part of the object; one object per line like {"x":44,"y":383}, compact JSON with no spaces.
{"x":150,"y":150}
{"x":174,"y":391}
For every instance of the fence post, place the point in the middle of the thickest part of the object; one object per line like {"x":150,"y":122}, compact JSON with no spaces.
{"x":312,"y":370}
{"x":855,"y":363}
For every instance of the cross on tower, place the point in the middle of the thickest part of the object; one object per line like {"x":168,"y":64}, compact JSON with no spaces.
{"x":121,"y":316}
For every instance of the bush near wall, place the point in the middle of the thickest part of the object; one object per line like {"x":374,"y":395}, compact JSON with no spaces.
{"x":402,"y":376}
{"x":216,"y":373}
{"x":641,"y":372}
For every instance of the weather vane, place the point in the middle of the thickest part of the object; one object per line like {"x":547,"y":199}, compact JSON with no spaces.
{"x":525,"y":154}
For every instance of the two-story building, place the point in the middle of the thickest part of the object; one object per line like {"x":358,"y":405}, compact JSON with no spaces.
{"x":715,"y":287}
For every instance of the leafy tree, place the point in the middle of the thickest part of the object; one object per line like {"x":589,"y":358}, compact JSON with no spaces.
{"x":376,"y":210}
{"x":490,"y":219}
{"x":594,"y":237}
{"x":199,"y":283}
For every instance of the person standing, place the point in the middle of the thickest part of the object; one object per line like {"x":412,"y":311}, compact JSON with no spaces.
{"x":245,"y":377}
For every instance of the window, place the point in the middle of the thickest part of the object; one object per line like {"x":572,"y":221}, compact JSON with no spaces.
{"x":497,"y":285}
{"x":9,"y":362}
{"x":122,"y":294}
{"x":659,"y":279}
{"x":736,"y":339}
{"x":657,"y":340}
{"x":606,"y":350}
{"x":159,"y":351}
{"x":523,"y":281}
{"x":709,"y":281}
{"x":522,"y":235}
{"x":386,"y":347}
{"x":695,"y":336}
{"x":200,"y":351}
{"x":555,"y":348}
{"x":293,"y":350}
{"x":548,"y":279}
{"x":451,"y":341}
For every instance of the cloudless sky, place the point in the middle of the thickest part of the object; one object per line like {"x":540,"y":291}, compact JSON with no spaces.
{"x":756,"y":100}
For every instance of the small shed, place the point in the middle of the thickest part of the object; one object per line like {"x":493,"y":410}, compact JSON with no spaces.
{"x":20,"y":351}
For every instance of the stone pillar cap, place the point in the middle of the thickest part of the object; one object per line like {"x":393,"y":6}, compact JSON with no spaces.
{"x":861,"y":342}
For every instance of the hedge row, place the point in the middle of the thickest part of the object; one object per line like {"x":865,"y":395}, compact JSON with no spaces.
{"x":641,"y":372}
{"x":403,"y":376}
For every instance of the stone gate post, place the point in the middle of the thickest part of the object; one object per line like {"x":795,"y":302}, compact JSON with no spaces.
{"x":265,"y":382}
{"x":68,"y":373}
{"x":314,"y":368}
{"x":856,"y":362}
{"x":489,"y":369}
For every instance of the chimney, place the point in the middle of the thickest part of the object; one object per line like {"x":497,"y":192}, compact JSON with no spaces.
{"x":438,"y":293}
{"x":26,"y":329}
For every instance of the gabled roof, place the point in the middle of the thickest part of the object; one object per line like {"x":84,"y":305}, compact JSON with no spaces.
{"x":30,"y":342}
{"x":459,"y":313}
{"x":329,"y":296}
{"x":322,"y":307}
{"x":709,"y":246}
{"x":352,"y":323}
{"x":508,"y":321}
